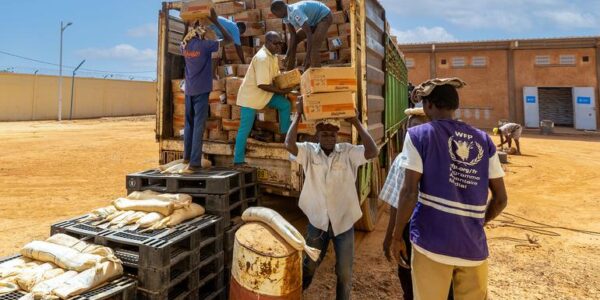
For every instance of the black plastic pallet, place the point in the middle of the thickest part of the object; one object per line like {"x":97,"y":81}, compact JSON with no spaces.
{"x":249,"y":174}
{"x":252,"y":202}
{"x":218,"y":295}
{"x":231,"y":214}
{"x":210,"y":181}
{"x":156,"y":249}
{"x":251,"y":191}
{"x":229,"y":236}
{"x":211,"y":285}
{"x":192,"y":272}
{"x":123,"y":288}
{"x":219,"y":202}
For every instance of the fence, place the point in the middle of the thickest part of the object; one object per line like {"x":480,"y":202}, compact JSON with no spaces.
{"x":35,"y":97}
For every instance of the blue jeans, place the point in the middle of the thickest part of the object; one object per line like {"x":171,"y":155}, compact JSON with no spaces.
{"x":343,"y":245}
{"x":196,"y":113}
{"x":278,"y":102}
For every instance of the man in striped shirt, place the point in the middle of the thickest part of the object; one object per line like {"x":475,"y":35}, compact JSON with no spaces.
{"x":449,"y":167}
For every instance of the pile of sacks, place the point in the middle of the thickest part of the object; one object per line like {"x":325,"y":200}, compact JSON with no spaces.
{"x":146,"y":210}
{"x":59,"y":268}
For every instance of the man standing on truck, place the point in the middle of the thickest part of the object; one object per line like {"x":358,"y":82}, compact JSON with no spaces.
{"x":308,"y":20}
{"x":258,"y":90}
{"x":449,"y":167}
{"x":223,"y":26}
{"x":329,"y":197}
{"x":197,"y":52}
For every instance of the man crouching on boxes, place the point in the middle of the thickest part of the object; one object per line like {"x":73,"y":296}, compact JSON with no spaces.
{"x":329,"y":197}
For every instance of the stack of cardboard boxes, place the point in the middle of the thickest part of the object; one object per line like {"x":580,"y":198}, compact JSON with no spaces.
{"x":224,"y":113}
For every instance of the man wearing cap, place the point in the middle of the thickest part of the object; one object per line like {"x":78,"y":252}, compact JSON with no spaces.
{"x":258,"y":90}
{"x":449,"y":169}
{"x":509,"y":132}
{"x":329,"y":197}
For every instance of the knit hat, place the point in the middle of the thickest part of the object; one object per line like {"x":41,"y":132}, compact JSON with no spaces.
{"x":332,"y":122}
{"x":425,"y":88}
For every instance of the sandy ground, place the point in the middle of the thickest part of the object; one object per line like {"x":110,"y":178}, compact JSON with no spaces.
{"x":50,"y":172}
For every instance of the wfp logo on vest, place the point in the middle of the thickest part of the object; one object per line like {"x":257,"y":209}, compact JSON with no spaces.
{"x":461,"y":149}
{"x":191,"y":54}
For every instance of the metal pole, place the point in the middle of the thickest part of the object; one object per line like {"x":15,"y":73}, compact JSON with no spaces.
{"x":62,"y":29}
{"x":60,"y":75}
{"x":73,"y":89}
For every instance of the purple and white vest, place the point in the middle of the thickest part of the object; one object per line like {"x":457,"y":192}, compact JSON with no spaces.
{"x":449,"y":216}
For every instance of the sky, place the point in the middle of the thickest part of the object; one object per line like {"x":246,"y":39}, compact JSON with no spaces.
{"x":118,"y":38}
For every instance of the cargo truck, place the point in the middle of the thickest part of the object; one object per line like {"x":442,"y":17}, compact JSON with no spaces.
{"x":381,"y":99}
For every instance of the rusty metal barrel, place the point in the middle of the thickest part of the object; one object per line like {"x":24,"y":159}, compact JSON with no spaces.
{"x":264,"y":265}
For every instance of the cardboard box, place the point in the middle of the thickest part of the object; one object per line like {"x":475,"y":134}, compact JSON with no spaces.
{"x":249,"y":4}
{"x":220,"y":110}
{"x":267,"y":14}
{"x":176,"y":85}
{"x":329,"y":56}
{"x":262,"y":4}
{"x":258,"y":41}
{"x":229,"y":124}
{"x":236,"y":112}
{"x":195,"y":10}
{"x":338,"y":42}
{"x":344,"y":29}
{"x":274,"y":25}
{"x":227,"y":71}
{"x":329,"y":105}
{"x":231,"y":53}
{"x":242,"y":70}
{"x":217,"y":135}
{"x":333,"y":31}
{"x":231,"y":100}
{"x":332,"y":4}
{"x":229,"y":8}
{"x":254,"y":28}
{"x":319,"y":80}
{"x":345,"y":54}
{"x":217,"y":97}
{"x":339,"y":17}
{"x":219,"y":84}
{"x":345,"y":4}
{"x":212,"y":123}
{"x":232,"y":85}
{"x":288,"y":79}
{"x":307,"y":127}
{"x":250,"y":15}
{"x":267,"y":115}
{"x":345,"y":128}
{"x":231,"y":135}
{"x":268,"y":126}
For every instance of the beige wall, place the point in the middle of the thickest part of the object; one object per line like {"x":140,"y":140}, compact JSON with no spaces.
{"x":30,"y":97}
{"x":583,"y":74}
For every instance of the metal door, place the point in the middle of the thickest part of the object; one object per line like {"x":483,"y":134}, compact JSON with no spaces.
{"x":531,"y":105}
{"x":584,"y":106}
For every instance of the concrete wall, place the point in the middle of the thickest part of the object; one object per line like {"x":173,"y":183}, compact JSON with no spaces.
{"x":35,"y":97}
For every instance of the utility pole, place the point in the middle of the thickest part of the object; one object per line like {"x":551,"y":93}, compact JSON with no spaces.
{"x":62,"y":29}
{"x":73,"y":89}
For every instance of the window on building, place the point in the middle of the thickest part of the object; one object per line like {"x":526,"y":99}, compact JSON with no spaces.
{"x":458,"y":62}
{"x":542,"y":60}
{"x":410,"y":62}
{"x":567,"y":59}
{"x":443,"y":61}
{"x":585,"y":59}
{"x":479,"y":61}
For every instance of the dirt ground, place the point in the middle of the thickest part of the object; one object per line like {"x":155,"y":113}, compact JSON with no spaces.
{"x":50,"y":172}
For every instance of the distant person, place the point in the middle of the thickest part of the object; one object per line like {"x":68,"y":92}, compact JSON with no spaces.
{"x":509,"y":132}
{"x":329,"y":198}
{"x":258,"y":91}
{"x":223,"y":26}
{"x":449,"y":167}
{"x":308,"y":20}
{"x":197,"y":52}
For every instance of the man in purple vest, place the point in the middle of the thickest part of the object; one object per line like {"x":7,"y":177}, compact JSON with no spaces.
{"x":449,"y":168}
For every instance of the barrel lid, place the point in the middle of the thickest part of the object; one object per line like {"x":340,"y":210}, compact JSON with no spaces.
{"x":260,"y":238}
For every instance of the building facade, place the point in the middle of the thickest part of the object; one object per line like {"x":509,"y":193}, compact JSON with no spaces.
{"x":524,"y":81}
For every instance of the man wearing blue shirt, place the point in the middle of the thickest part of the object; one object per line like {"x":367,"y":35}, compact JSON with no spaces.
{"x":223,"y":26}
{"x":308,"y":20}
